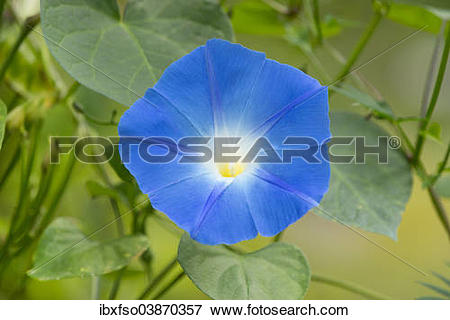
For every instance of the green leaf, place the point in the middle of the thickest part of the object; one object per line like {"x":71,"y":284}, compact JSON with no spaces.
{"x":435,"y":4}
{"x":441,"y":13}
{"x":278,"y":271}
{"x":122,"y":57}
{"x":330,"y":26}
{"x":380,"y":108}
{"x":256,"y":17}
{"x":443,"y":186}
{"x":434,"y":131}
{"x":370,"y":196}
{"x":3,"y":112}
{"x":62,"y":253}
{"x":414,"y":16}
{"x":437,"y":289}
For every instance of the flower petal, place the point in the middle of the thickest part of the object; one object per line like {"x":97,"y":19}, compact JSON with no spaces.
{"x":185,"y":84}
{"x":279,"y":86}
{"x":144,"y":120}
{"x":308,"y":119}
{"x":225,"y":217}
{"x":233,"y":71}
{"x":275,"y":204}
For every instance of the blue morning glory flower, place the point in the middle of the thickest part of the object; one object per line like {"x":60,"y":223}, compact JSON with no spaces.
{"x":225,"y":89}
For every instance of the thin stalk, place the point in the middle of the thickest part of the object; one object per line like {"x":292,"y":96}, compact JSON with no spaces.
{"x":116,"y":284}
{"x":440,"y":210}
{"x":179,"y":276}
{"x":434,"y":96}
{"x":27,"y":159}
{"x":277,"y":238}
{"x":422,"y":173}
{"x":70,"y":92}
{"x":356,"y":75}
{"x":10,"y":167}
{"x":2,"y":8}
{"x":61,"y":187}
{"x":110,"y":122}
{"x":117,"y":216}
{"x":44,"y":186}
{"x":349,"y":286}
{"x":95,"y":288}
{"x":28,"y":25}
{"x":121,"y":233}
{"x":316,"y":16}
{"x":432,"y":69}
{"x":159,"y":277}
{"x":442,"y":166}
{"x":360,"y":46}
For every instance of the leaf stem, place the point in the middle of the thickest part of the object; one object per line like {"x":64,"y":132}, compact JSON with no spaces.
{"x":158,"y":278}
{"x":316,"y":16}
{"x":60,"y":188}
{"x":2,"y":8}
{"x":116,"y":284}
{"x":434,"y":96}
{"x":432,"y":69}
{"x":277,"y":237}
{"x":179,"y":276}
{"x":28,"y":25}
{"x":440,"y":210}
{"x":442,"y":166}
{"x":360,"y":45}
{"x":349,"y":286}
{"x":95,"y":288}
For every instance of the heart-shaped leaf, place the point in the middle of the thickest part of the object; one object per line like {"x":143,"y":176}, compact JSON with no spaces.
{"x":369,"y":195}
{"x":3,"y":112}
{"x":365,"y":100}
{"x":121,"y":53}
{"x":414,"y":16}
{"x":63,"y":252}
{"x":278,"y":271}
{"x":440,"y":8}
{"x":438,"y":4}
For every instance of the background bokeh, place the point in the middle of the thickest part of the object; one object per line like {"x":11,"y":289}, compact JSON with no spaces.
{"x":331,"y":248}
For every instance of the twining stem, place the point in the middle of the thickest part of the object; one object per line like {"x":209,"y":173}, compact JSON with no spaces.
{"x":27,"y":159}
{"x":28,"y":25}
{"x":420,"y":169}
{"x":349,"y":286}
{"x":435,"y":95}
{"x":316,"y":16}
{"x":178,"y":277}
{"x":442,"y":165}
{"x":116,"y":284}
{"x":11,"y":146}
{"x":60,"y":188}
{"x":158,"y":278}
{"x":360,"y":46}
{"x":2,"y":8}
{"x":440,"y":210}
{"x":432,"y":70}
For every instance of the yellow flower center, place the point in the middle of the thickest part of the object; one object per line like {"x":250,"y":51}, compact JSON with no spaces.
{"x":230,"y":170}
